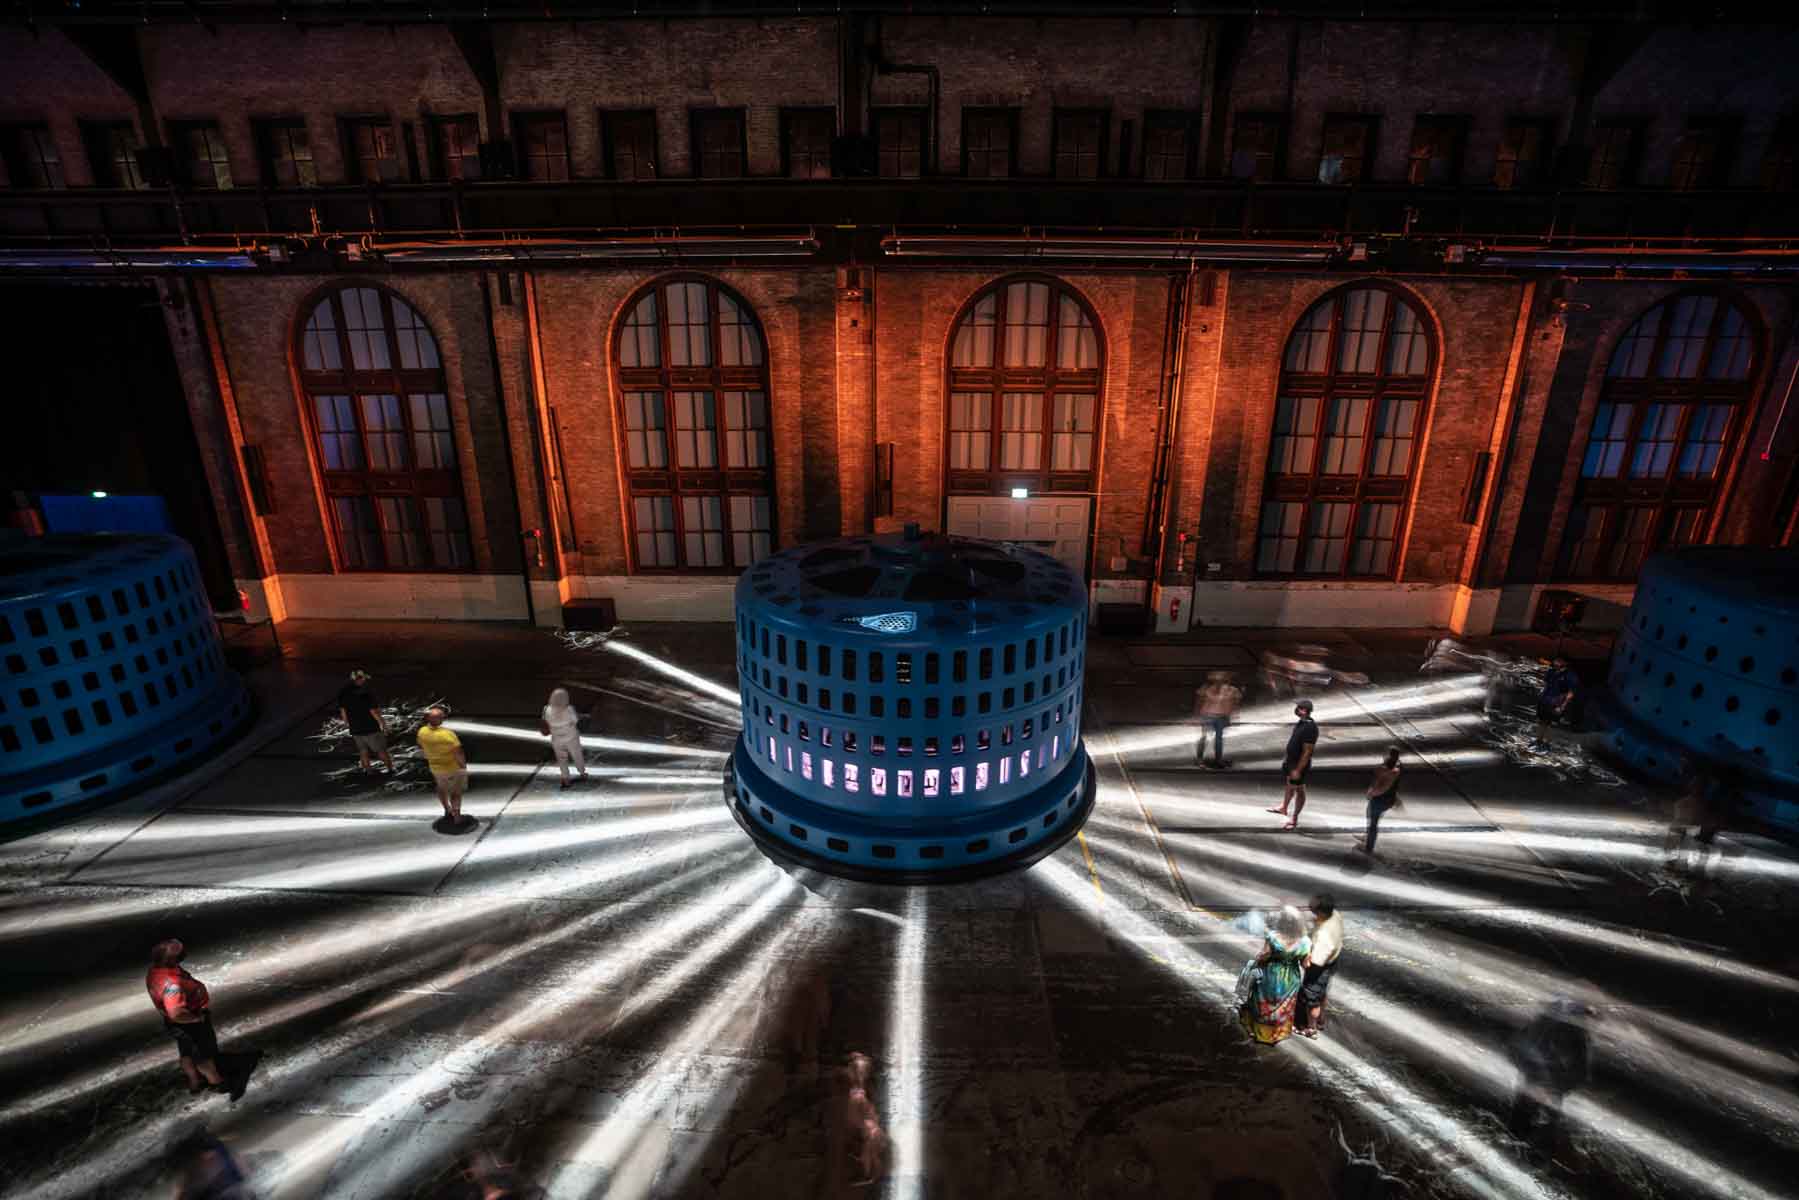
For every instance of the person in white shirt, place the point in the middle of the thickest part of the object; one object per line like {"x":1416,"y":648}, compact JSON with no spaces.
{"x":562,"y":724}
{"x":1321,"y":963}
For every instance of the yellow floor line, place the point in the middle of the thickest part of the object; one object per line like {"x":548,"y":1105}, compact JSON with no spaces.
{"x":1092,"y":871}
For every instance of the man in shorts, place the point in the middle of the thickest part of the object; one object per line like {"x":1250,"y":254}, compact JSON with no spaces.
{"x":1320,"y":964}
{"x":184,"y":1005}
{"x":1297,"y":762}
{"x":367,"y":728}
{"x":449,"y":765}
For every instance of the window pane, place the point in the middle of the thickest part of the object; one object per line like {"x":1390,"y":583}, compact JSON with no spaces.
{"x":365,"y":328}
{"x":1377,"y":528}
{"x":1021,"y":431}
{"x":1326,"y":539}
{"x":340,"y":444}
{"x":1393,"y":433}
{"x":1344,"y":424}
{"x":402,"y":539}
{"x":418,"y":349}
{"x":1165,"y":149}
{"x":1685,"y":527}
{"x":1295,"y":421}
{"x":702,"y":520}
{"x":746,"y":429}
{"x":433,"y":445}
{"x":689,"y":329}
{"x":358,"y":536}
{"x":739,"y":342}
{"x":1310,"y":344}
{"x":752,"y":529}
{"x":970,"y":431}
{"x":646,"y":431}
{"x":654,"y":517}
{"x":1581,"y":543}
{"x":385,"y":432}
{"x":1655,"y":441}
{"x":447,"y":525}
{"x":1631,"y":359}
{"x":638,"y":345}
{"x":1077,"y":145}
{"x":1408,"y":352}
{"x":319,"y":350}
{"x":974,"y":339}
{"x":900,"y":136}
{"x":1071,"y":444}
{"x":1704,"y":444}
{"x":1364,"y":311}
{"x":1687,"y":327}
{"x":696,"y":430}
{"x":1277,"y":548}
{"x":1730,"y":352}
{"x":1631,"y":544}
{"x":1077,"y":344}
{"x":1027,"y":324}
{"x":1606,"y":444}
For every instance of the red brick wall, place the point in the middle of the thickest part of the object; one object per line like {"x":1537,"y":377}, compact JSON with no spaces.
{"x":43,"y":77}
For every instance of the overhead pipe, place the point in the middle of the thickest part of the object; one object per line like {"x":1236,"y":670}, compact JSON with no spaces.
{"x":665,"y":249}
{"x":188,"y":259}
{"x":1627,"y":260}
{"x":1160,"y":250}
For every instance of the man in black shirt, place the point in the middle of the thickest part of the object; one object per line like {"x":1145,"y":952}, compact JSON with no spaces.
{"x":363,"y":716}
{"x":1297,"y":761}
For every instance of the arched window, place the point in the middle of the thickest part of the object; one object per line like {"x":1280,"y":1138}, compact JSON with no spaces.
{"x":1674,"y":400}
{"x":380,"y":415}
{"x":693,"y":405}
{"x":1347,"y":421}
{"x":1024,"y":380}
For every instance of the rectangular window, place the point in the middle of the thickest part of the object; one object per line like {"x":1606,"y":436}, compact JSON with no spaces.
{"x":852,"y":777}
{"x":1278,"y":550}
{"x":1080,"y":143}
{"x":384,"y":431}
{"x":696,"y":430}
{"x":1581,"y":541}
{"x":806,"y":135}
{"x":1613,"y":161}
{"x":1704,"y":443}
{"x":1348,"y":149}
{"x":1631,"y":542}
{"x":899,"y":142}
{"x":358,"y":536}
{"x":456,"y":141}
{"x":1344,"y":423}
{"x":970,"y":431}
{"x":654,"y":518}
{"x":1295,"y":435}
{"x":112,"y":153}
{"x":630,"y":149}
{"x":1436,"y":152}
{"x":433,"y":441}
{"x":1686,"y":527}
{"x":402,"y":533}
{"x":718,"y":145}
{"x":646,"y":431}
{"x":542,"y":146}
{"x":746,"y":430}
{"x":1607,"y":441}
{"x":1702,"y":156}
{"x":1021,"y":431}
{"x":31,"y":156}
{"x":1655,"y":441}
{"x":877,"y":780}
{"x":703,"y":529}
{"x":1169,"y":142}
{"x":752,"y":536}
{"x":200,"y":153}
{"x":1327,"y":538}
{"x":1395,"y":423}
{"x":1256,"y":145}
{"x":1071,"y":439}
{"x":372,"y":150}
{"x":1377,"y":528}
{"x":1523,"y":157}
{"x":286,"y":153}
{"x":446,"y":528}
{"x":987,"y":136}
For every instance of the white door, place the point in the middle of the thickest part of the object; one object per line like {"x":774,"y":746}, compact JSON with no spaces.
{"x":1056,"y":525}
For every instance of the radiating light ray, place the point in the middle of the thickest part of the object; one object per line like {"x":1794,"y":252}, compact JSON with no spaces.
{"x":681,"y":674}
{"x":707,"y":712}
{"x":591,"y":742}
{"x":905,"y":1039}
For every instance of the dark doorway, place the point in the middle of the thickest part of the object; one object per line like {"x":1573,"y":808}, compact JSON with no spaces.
{"x":94,"y":402}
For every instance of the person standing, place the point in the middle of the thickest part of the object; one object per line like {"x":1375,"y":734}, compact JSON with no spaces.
{"x":1267,"y":1014}
{"x":368,"y":729}
{"x":1383,"y":794}
{"x":449,"y":764}
{"x":1320,"y":964}
{"x":1297,"y":762}
{"x":185,"y":1008}
{"x":1560,"y":701}
{"x":1215,"y":705}
{"x":562,"y":725}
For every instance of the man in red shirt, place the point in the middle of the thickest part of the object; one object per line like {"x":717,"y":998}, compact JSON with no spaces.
{"x":183,"y":1003}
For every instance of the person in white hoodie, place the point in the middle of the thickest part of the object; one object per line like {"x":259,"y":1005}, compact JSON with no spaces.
{"x":562,"y":724}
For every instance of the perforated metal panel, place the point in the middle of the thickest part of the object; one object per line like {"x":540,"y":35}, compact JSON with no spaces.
{"x":1708,"y":665}
{"x":911,"y":703}
{"x":111,"y":668}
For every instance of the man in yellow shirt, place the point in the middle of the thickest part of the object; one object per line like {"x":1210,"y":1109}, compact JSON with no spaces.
{"x":449,"y":765}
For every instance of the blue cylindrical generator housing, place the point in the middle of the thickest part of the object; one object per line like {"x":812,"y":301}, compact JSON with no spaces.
{"x":911,"y":705}
{"x":111,"y":668}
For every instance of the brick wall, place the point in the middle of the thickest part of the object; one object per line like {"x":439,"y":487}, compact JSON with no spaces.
{"x":43,"y":77}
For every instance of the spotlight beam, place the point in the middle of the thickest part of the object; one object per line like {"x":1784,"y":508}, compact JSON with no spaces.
{"x":698,"y":683}
{"x":905,"y":1080}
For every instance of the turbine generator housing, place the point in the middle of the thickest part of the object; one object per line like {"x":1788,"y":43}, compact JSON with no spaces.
{"x":911,"y":705}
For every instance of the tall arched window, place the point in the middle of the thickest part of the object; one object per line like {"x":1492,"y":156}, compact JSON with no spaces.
{"x":1347,"y":420}
{"x":379,"y":411}
{"x":1024,"y":381}
{"x":1674,"y":400}
{"x":693,"y":405}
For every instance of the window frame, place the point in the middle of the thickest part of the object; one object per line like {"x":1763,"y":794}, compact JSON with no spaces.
{"x":179,"y":132}
{"x":1047,"y":381}
{"x":23,"y":145}
{"x":610,"y":121}
{"x":1159,"y":120}
{"x":1452,"y":126}
{"x":524,"y":120}
{"x":367,"y":482}
{"x":697,"y":121}
{"x":267,"y":130}
{"x":1669,"y":493}
{"x":1627,"y":166}
{"x":1009,"y":116}
{"x":673,"y":481}
{"x":350,"y":129}
{"x":789,"y":118}
{"x":1541,"y":166}
{"x":97,"y":139}
{"x":1713,"y":171}
{"x":1314,"y":486}
{"x":879,"y":117}
{"x":439,"y":126}
{"x":1370,"y":124}
{"x":1058,"y":132}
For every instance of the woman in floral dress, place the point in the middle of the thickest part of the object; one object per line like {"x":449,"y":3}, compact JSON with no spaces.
{"x":1267,"y":1015}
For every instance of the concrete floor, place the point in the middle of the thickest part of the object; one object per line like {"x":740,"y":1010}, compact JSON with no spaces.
{"x":611,"y":990}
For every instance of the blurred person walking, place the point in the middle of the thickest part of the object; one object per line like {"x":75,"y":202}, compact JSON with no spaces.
{"x":1706,"y":799}
{"x":1320,"y":963}
{"x":1272,"y":999}
{"x":562,"y":725}
{"x":1297,"y":762}
{"x":1554,"y":1055}
{"x":1561,"y":701}
{"x":207,"y":1168}
{"x":362,"y":715}
{"x":1383,"y":794}
{"x":448,"y":762}
{"x":1215,"y":706}
{"x":185,"y":1007}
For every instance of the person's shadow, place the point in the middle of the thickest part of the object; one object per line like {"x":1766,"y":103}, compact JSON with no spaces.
{"x":236,"y":1068}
